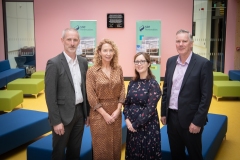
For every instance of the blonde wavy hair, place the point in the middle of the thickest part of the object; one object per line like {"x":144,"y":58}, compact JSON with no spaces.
{"x":97,"y":58}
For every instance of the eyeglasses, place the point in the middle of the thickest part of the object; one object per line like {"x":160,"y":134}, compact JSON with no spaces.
{"x":139,"y":62}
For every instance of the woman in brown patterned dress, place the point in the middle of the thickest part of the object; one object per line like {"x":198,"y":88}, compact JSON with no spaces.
{"x":106,"y":93}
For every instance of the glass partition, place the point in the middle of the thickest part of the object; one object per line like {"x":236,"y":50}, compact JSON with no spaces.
{"x":209,"y":19}
{"x":19,"y":35}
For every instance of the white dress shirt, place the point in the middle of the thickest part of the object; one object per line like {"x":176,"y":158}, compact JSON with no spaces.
{"x":76,"y":76}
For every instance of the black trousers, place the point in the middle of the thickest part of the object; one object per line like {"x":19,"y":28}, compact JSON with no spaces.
{"x":180,"y":138}
{"x":71,"y":140}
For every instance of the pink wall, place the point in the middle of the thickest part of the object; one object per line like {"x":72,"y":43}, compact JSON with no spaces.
{"x":230,"y":35}
{"x":2,"y":56}
{"x":51,"y":17}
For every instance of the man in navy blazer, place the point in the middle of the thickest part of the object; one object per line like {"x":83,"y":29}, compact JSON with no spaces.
{"x":187,"y":95}
{"x":66,"y":97}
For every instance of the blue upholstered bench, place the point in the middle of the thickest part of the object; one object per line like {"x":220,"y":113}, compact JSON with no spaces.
{"x":124,"y":130}
{"x":234,"y":75}
{"x":42,"y":149}
{"x":8,"y":74}
{"x":213,"y":134}
{"x":21,"y":126}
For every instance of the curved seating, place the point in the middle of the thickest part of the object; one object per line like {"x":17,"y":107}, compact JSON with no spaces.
{"x":213,"y":134}
{"x":234,"y":75}
{"x":8,"y":74}
{"x":21,"y":126}
{"x":42,"y":149}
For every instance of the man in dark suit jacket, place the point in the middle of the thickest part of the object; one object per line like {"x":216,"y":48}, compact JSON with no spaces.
{"x":187,"y":94}
{"x":65,"y":90}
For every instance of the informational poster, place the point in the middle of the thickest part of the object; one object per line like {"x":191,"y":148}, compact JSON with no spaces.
{"x":149,"y":40}
{"x":88,"y":32}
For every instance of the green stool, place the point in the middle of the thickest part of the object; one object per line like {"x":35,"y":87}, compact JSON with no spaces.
{"x":38,"y":75}
{"x":27,"y":85}
{"x":219,"y":76}
{"x":10,"y":99}
{"x":226,"y":89}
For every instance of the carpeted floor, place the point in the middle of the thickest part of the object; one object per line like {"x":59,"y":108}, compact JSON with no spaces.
{"x":229,"y":149}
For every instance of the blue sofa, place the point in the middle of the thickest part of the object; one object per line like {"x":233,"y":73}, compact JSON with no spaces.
{"x":7,"y":74}
{"x":213,"y":134}
{"x":234,"y":75}
{"x":21,"y":126}
{"x":42,"y":149}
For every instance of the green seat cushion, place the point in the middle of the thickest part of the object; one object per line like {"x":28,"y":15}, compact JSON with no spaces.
{"x":219,"y":76}
{"x":28,"y":86}
{"x":226,"y":88}
{"x":10,"y":99}
{"x":38,"y":75}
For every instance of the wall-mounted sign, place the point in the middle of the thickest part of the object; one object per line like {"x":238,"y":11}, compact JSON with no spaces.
{"x":115,"y":20}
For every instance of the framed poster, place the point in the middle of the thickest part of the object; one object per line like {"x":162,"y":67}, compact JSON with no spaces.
{"x":115,"y":20}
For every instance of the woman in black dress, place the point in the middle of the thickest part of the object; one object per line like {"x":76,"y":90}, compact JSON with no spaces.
{"x":140,"y":111}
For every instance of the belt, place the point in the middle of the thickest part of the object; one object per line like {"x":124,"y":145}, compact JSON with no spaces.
{"x":78,"y":105}
{"x":173,"y":110}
